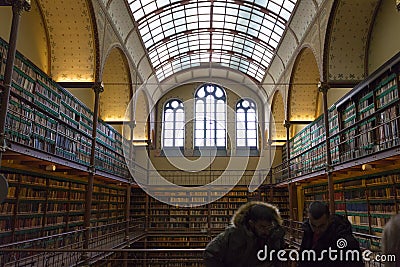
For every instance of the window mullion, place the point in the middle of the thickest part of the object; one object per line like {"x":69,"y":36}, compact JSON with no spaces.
{"x":215,"y":121}
{"x":174,"y":129}
{"x":205,"y":121}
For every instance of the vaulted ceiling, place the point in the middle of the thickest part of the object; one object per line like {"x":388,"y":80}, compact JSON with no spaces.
{"x":181,"y":34}
{"x":73,"y":40}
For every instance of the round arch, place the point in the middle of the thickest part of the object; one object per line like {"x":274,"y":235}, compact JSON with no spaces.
{"x":278,"y":114}
{"x":72,"y":40}
{"x":117,"y":86}
{"x":303,"y":96}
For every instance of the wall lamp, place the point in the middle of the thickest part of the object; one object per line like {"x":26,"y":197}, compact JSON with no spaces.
{"x":51,"y":167}
{"x":366,"y":167}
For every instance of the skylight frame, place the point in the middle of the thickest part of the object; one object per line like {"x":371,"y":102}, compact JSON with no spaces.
{"x":176,"y":32}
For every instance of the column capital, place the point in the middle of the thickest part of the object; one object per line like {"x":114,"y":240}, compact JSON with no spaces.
{"x":19,"y":5}
{"x":323,"y":87}
{"x":131,"y":124}
{"x":98,"y":87}
{"x":286,"y":124}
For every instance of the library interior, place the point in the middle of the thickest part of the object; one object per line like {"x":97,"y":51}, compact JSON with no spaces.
{"x":131,"y":131}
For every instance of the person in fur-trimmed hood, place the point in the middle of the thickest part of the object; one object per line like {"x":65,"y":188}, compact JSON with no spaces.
{"x":254,"y":227}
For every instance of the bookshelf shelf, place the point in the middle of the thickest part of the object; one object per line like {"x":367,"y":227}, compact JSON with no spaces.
{"x":40,"y":205}
{"x":362,"y":123}
{"x":46,"y":117}
{"x":368,"y":201}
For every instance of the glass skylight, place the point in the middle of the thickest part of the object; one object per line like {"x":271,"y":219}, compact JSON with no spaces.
{"x":182,"y":34}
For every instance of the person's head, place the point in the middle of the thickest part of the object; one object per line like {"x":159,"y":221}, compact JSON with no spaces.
{"x":391,"y":239}
{"x":318,"y":214}
{"x":259,"y":217}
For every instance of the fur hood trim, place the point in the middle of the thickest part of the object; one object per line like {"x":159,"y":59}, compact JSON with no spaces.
{"x":238,"y":219}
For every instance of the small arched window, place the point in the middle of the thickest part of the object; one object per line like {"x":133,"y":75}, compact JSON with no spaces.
{"x":174,"y":124}
{"x":210,"y":121}
{"x":246,"y":123}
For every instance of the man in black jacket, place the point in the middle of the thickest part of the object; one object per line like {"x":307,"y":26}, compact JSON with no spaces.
{"x":255,"y":226}
{"x":330,"y":237}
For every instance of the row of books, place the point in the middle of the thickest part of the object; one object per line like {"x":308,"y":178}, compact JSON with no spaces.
{"x":49,"y":205}
{"x":367,"y":201}
{"x":38,"y":106}
{"x":365,"y":123}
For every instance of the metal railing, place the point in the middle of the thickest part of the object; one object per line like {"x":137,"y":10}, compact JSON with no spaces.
{"x":131,"y":257}
{"x":66,"y":249}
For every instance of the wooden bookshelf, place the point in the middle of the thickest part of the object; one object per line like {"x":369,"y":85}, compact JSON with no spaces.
{"x":367,"y":201}
{"x":47,"y":118}
{"x":187,"y":227}
{"x":362,"y":124}
{"x":40,"y":205}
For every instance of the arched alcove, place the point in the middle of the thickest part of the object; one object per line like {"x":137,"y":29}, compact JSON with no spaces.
{"x":304,"y":103}
{"x":278,"y":113}
{"x":72,"y":41}
{"x":117,"y":87}
{"x":346,"y":51}
{"x":33,"y":28}
{"x":141,"y":133}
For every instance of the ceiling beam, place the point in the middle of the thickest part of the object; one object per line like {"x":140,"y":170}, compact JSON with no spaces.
{"x":76,"y":84}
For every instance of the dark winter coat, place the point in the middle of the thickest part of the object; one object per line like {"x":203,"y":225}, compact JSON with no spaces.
{"x":237,"y":246}
{"x":338,"y":228}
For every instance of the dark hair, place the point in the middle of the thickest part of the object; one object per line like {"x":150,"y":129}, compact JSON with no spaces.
{"x":317,"y":209}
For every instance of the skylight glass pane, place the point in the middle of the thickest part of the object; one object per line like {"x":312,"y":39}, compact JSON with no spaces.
{"x":178,"y":15}
{"x":288,"y":5}
{"x":231,"y":19}
{"x":219,"y":10}
{"x":161,"y":3}
{"x":166,"y":18}
{"x":150,"y":7}
{"x":285,"y":14}
{"x":261,"y":2}
{"x":135,"y":5}
{"x":274,"y":7}
{"x":139,"y":14}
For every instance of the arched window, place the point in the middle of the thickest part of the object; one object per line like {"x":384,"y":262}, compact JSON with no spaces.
{"x":210,"y":121}
{"x":174,"y":122}
{"x":246,"y":123}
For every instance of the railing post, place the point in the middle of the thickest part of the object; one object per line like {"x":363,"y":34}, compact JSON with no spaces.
{"x":290,"y":185}
{"x":17,"y":7}
{"x":127,"y":219}
{"x":271,"y":162}
{"x":97,"y":88}
{"x":323,"y":87}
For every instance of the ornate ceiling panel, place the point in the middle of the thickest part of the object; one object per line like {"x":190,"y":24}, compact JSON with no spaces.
{"x":278,"y":113}
{"x":348,"y":40}
{"x":304,"y":90}
{"x":116,"y":96}
{"x":299,"y":24}
{"x":71,"y":39}
{"x":121,"y":18}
